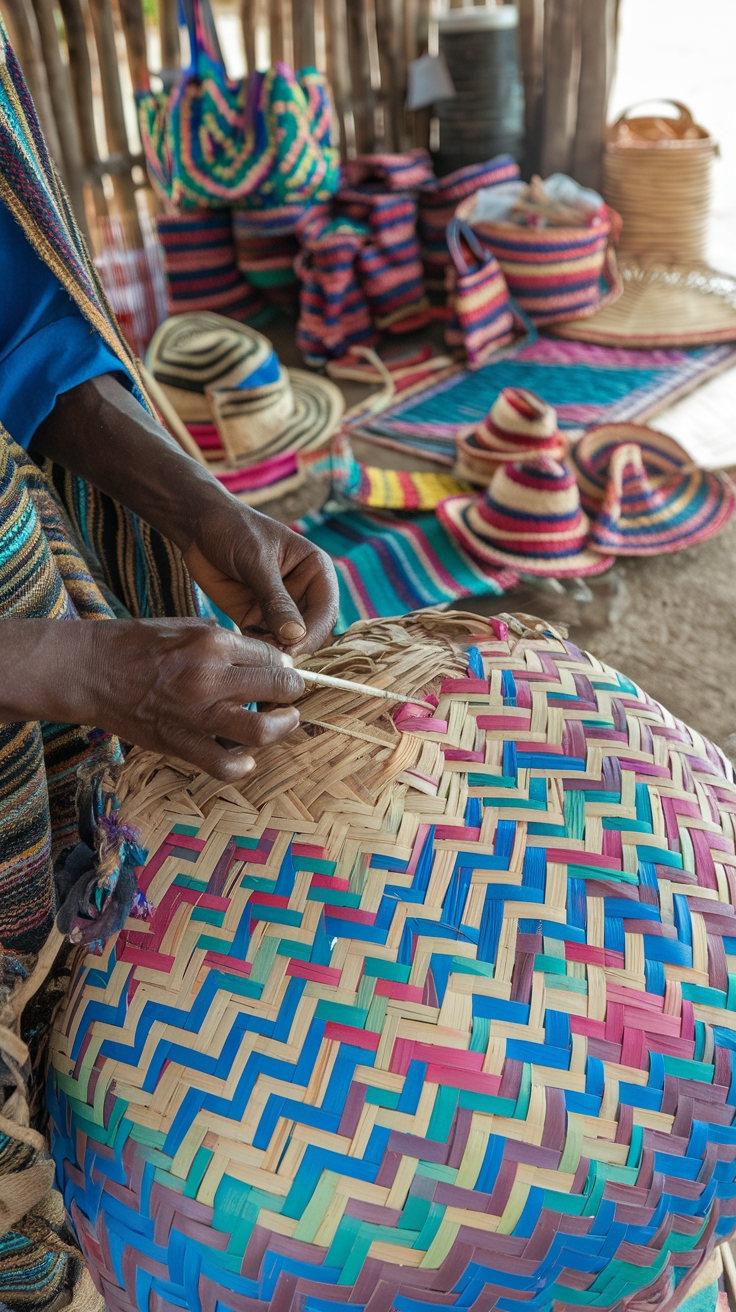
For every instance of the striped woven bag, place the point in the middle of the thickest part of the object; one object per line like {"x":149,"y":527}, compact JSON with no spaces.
{"x":438,"y":201}
{"x":200,"y":267}
{"x":481,"y":313}
{"x":395,"y":172}
{"x":555,"y":274}
{"x":333,"y":311}
{"x":389,"y":263}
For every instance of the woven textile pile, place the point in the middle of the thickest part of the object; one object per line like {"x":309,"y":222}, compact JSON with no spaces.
{"x":432,"y":1010}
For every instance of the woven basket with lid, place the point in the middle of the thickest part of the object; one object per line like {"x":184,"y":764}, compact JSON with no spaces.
{"x":430,"y":1010}
{"x":657,"y":176}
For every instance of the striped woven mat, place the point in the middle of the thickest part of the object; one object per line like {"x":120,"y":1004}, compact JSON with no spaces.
{"x":587,"y":385}
{"x":389,"y":566}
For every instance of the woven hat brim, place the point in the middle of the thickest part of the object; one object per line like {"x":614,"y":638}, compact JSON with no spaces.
{"x":318,"y":408}
{"x":674,"y":536}
{"x":508,"y":451}
{"x":451,"y":514}
{"x":591,"y":454}
{"x":650,"y":315}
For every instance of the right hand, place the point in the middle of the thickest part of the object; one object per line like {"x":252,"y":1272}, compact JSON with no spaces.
{"x":170,"y":685}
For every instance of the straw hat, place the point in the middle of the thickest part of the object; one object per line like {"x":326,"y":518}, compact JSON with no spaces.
{"x":518,"y":425}
{"x":529,"y":518}
{"x":647,"y":496}
{"x":662,"y":307}
{"x":213,"y":368}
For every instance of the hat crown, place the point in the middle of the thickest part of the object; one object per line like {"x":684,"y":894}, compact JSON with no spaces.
{"x":519,"y":422}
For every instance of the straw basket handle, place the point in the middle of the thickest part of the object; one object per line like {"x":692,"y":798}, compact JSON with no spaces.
{"x":685,"y":114}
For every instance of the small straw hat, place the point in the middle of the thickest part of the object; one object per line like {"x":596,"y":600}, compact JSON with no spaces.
{"x":646,"y":494}
{"x":518,"y":425}
{"x":529,"y":518}
{"x":213,"y":368}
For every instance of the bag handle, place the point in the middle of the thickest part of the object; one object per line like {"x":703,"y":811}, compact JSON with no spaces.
{"x":456,"y":230}
{"x":685,"y":114}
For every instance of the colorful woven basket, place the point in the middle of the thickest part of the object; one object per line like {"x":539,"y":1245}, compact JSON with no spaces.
{"x":554,"y":274}
{"x":432,"y":1010}
{"x":389,"y":262}
{"x":201,"y":269}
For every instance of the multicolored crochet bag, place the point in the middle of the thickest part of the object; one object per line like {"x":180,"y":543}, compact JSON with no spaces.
{"x":333,"y":311}
{"x":482,"y":316}
{"x":438,"y":201}
{"x":389,"y":263}
{"x":261,"y":143}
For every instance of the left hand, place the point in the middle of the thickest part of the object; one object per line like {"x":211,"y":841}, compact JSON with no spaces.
{"x":273,"y":583}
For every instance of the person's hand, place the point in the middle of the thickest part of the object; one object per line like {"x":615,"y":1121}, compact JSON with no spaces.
{"x":173,"y":686}
{"x":269,"y":580}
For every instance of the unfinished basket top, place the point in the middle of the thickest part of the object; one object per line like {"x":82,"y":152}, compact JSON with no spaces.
{"x":430,"y":1011}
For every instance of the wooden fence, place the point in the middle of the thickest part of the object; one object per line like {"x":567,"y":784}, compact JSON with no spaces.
{"x":83,"y":59}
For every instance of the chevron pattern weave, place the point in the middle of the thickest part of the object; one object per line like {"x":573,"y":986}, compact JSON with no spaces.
{"x":433,"y":1010}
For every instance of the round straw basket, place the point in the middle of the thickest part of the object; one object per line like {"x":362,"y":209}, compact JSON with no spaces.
{"x":657,"y":175}
{"x":429,"y":1011}
{"x":554,"y":274}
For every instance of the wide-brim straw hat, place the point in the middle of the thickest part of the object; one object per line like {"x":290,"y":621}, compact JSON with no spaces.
{"x":646,"y":494}
{"x":214,"y":369}
{"x":662,"y":307}
{"x":519,"y":425}
{"x":529,"y":519}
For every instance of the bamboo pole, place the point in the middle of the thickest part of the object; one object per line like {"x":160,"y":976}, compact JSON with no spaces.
{"x":81,"y":79}
{"x":112,"y":99}
{"x":23,"y":29}
{"x":63,"y":106}
{"x":276,"y":17}
{"x":303,"y":20}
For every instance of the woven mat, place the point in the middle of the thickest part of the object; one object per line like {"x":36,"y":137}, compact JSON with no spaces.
{"x":432,"y":1010}
{"x":586,"y":384}
{"x":386,"y":566}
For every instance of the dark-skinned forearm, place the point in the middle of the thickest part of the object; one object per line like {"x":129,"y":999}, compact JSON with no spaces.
{"x":100,"y":432}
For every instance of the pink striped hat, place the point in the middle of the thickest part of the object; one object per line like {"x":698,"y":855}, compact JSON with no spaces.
{"x":519,"y":424}
{"x":529,"y":518}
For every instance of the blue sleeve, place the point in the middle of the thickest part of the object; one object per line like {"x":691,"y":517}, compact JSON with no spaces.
{"x":46,"y":344}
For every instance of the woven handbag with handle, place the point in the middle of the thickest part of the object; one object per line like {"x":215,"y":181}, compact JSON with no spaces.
{"x":434,"y":1009}
{"x":658,"y":177}
{"x":483,"y":317}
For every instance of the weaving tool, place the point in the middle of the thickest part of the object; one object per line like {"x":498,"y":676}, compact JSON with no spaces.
{"x":348,"y":685}
{"x":429,"y":1012}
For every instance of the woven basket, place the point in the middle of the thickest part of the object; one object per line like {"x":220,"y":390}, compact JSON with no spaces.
{"x":554,"y":274}
{"x":657,"y":175}
{"x":430,"y":1011}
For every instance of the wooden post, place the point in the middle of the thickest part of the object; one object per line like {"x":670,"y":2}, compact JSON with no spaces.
{"x":360,"y":76}
{"x":561,"y":80}
{"x":134,"y":27}
{"x":112,"y":98}
{"x":531,"y":43}
{"x":416,"y":25}
{"x":303,"y":19}
{"x":61,"y":99}
{"x":389,"y":32}
{"x":276,"y":15}
{"x":598,"y":54}
{"x":248,"y":16}
{"x":81,"y":80}
{"x":168,"y":26}
{"x":23,"y":29}
{"x":338,"y":68}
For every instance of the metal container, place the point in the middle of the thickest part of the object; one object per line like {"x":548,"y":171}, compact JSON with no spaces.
{"x":486,"y":118}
